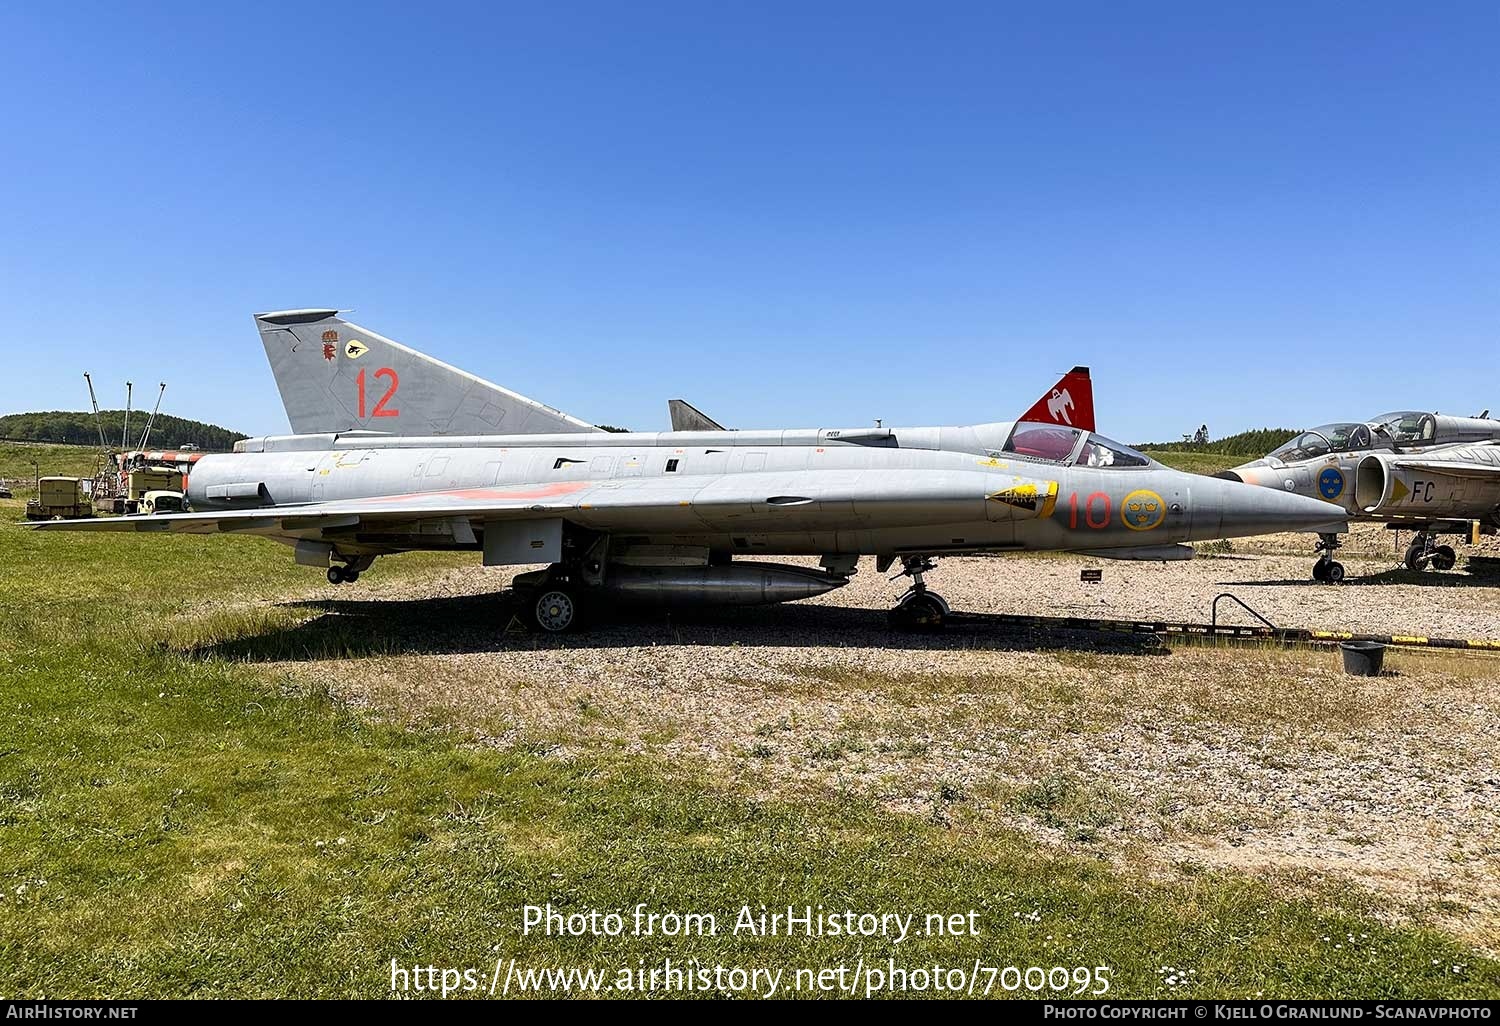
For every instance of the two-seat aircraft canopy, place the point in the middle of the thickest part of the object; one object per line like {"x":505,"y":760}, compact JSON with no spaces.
{"x":1071,"y":447}
{"x":1332,"y":438}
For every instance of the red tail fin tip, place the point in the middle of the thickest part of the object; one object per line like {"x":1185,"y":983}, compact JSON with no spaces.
{"x":1070,"y":401}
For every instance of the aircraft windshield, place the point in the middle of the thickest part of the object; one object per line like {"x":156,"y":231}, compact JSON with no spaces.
{"x":1408,"y":427}
{"x":1043,"y":441}
{"x":1057,"y":444}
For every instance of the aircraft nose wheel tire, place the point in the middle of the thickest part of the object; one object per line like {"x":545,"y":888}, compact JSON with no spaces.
{"x":555,"y":610}
{"x":924,"y":611}
{"x":1328,"y":573}
{"x":342,"y":575}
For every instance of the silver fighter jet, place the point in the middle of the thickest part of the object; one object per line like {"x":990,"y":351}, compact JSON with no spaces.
{"x":1417,"y":471}
{"x":668,"y":517}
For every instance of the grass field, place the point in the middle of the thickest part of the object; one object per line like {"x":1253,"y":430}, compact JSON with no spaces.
{"x":52,"y":460}
{"x":179,"y":825}
{"x":1196,"y":462}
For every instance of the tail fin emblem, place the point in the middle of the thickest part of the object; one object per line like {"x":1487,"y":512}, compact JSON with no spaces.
{"x":1059,"y":405}
{"x":355,"y":349}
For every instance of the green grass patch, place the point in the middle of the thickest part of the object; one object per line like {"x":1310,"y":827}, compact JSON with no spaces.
{"x":19,"y":474}
{"x":1197,"y":462}
{"x":174,"y":825}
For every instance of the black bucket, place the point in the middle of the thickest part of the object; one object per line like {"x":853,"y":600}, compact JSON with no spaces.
{"x":1363,"y":658}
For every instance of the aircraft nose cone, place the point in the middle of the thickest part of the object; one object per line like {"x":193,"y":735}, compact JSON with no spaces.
{"x":1229,"y":509}
{"x":1254,"y":472}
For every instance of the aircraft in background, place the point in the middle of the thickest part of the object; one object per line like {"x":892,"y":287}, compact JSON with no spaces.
{"x":667,"y":517}
{"x":1424,"y":472}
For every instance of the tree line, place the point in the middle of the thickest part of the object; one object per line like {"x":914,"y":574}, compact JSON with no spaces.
{"x":1257,"y":442}
{"x":69,"y":428}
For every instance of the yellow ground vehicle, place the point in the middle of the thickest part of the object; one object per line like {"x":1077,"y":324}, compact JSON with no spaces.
{"x":127,"y":491}
{"x":148,"y":480}
{"x":59,"y":498}
{"x":161,"y":502}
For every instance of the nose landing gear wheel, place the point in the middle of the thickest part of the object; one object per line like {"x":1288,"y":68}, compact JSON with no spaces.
{"x":335,"y":575}
{"x":554,"y":610}
{"x":1327,"y":570}
{"x":1330,"y":572}
{"x":919,"y":611}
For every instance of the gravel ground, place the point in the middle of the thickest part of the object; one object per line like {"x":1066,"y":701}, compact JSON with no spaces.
{"x":1251,"y":758}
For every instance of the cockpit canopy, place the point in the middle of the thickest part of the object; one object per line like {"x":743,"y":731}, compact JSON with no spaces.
{"x":1409,"y":427}
{"x":1055,"y":443}
{"x":1331,"y":438}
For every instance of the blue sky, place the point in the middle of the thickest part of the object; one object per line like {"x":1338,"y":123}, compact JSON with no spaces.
{"x":788,"y":213}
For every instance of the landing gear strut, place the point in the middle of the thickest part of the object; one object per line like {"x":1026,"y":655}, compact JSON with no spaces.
{"x":919,"y":609}
{"x":1422,"y":553}
{"x":1328,"y":570}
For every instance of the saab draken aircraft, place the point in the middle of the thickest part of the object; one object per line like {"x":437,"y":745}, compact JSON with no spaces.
{"x":671,"y":517}
{"x":1424,"y":472}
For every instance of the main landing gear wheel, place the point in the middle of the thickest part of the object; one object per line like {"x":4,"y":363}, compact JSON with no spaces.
{"x":1416,"y":556}
{"x":554,"y":610}
{"x":1421,"y":553}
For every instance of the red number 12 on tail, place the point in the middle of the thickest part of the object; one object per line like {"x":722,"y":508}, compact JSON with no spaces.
{"x":380,"y":409}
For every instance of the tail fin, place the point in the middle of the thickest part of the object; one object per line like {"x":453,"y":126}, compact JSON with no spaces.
{"x":337,"y":376}
{"x":687,"y":417}
{"x":1070,"y":401}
